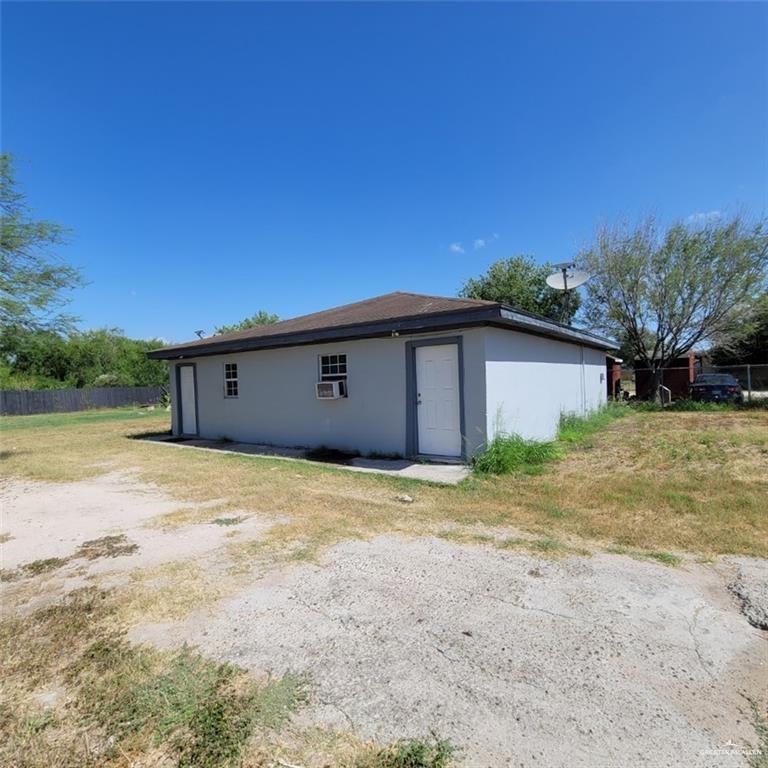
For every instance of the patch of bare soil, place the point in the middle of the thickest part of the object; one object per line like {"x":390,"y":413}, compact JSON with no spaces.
{"x":104,"y":525}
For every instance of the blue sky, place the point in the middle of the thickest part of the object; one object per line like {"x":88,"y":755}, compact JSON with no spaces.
{"x":218,"y":158}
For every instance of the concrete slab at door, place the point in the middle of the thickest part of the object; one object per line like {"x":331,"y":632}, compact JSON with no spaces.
{"x":437,"y":398}
{"x":188,"y":399}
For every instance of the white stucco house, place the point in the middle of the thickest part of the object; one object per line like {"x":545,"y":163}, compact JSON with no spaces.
{"x":404,"y":374}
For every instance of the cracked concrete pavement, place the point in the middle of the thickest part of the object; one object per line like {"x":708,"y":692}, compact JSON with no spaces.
{"x":601,"y":661}
{"x":750,"y":585}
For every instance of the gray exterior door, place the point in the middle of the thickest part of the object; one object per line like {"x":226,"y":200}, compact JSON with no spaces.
{"x":187,"y":391}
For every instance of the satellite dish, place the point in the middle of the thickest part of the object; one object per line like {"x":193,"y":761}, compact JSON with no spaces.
{"x":567,"y":278}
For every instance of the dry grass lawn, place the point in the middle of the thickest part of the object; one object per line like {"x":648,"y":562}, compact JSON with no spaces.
{"x":691,"y":482}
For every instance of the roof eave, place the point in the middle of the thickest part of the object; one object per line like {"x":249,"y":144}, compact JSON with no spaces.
{"x":413,"y":324}
{"x":544,"y":327}
{"x":491,"y":315}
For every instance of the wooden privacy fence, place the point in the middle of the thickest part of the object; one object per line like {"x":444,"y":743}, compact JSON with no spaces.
{"x":21,"y":402}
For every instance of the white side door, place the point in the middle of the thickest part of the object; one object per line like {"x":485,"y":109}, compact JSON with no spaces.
{"x":437,"y":398}
{"x":188,"y":400}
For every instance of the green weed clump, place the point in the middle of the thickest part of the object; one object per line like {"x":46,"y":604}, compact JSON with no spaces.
{"x":512,"y":453}
{"x":665,"y":557}
{"x":202,"y":711}
{"x":132,"y":701}
{"x":228,"y":520}
{"x":432,"y":752}
{"x":576,"y":429}
{"x":508,"y":453}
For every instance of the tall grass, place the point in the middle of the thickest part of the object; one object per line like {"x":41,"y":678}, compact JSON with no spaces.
{"x":508,"y":453}
{"x":511,"y":453}
{"x":576,"y":429}
{"x":686,"y":405}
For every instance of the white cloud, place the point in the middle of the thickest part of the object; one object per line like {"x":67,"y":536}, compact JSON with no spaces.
{"x":703,"y":217}
{"x":477,"y":244}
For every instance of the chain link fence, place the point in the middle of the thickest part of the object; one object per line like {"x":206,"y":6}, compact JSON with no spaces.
{"x":635,"y":382}
{"x":753,"y":378}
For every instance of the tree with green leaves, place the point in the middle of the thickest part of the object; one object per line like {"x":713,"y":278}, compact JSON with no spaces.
{"x":747,"y":340}
{"x":43,"y":359}
{"x":521,"y":283}
{"x":34,"y":281}
{"x":668,"y":290}
{"x":262,"y":317}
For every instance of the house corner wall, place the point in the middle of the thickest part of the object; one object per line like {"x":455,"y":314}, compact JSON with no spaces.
{"x":475,"y":403}
{"x":531,"y":381}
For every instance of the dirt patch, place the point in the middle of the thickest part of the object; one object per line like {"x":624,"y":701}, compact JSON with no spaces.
{"x":598,"y":661}
{"x":105,"y":525}
{"x":53,"y":519}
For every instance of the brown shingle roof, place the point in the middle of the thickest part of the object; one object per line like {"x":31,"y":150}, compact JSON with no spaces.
{"x":380,"y":316}
{"x":391,"y":306}
{"x":388,"y":307}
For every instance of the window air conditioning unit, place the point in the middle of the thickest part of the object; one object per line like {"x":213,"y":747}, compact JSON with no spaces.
{"x":330,"y":390}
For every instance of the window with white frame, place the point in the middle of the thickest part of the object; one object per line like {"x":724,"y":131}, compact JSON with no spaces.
{"x":334,"y":368}
{"x":230,"y":380}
